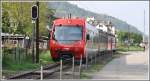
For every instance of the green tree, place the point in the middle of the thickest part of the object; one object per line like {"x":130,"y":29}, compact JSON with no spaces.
{"x":20,"y":12}
{"x":137,"y":38}
{"x":122,"y":36}
{"x":5,"y":22}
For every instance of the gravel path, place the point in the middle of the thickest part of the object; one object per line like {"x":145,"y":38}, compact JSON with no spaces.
{"x":133,"y":66}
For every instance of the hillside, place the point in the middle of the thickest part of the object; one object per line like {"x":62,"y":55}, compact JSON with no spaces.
{"x":63,"y":8}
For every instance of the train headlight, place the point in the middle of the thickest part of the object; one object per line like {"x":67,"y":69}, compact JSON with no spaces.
{"x":69,"y":21}
{"x":66,"y":49}
{"x":53,"y":42}
{"x":80,"y":43}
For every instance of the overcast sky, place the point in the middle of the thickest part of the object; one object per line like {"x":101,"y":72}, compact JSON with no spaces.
{"x":130,"y":11}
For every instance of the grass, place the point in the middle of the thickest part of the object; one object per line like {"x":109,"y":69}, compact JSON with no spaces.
{"x":11,"y":66}
{"x":87,"y":73}
{"x":131,"y":48}
{"x":21,"y":67}
{"x":45,"y":57}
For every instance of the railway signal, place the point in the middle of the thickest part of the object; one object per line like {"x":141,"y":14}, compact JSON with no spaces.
{"x":34,"y":12}
{"x":35,"y":20}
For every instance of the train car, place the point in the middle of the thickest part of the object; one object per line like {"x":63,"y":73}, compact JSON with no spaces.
{"x":103,"y":37}
{"x":75,"y":37}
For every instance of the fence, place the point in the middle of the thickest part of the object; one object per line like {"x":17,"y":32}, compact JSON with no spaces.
{"x":17,"y":48}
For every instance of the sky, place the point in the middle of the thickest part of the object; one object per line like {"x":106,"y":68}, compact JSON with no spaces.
{"x":131,"y":12}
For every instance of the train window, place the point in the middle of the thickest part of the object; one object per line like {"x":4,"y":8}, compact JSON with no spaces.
{"x":68,"y":33}
{"x":87,"y":37}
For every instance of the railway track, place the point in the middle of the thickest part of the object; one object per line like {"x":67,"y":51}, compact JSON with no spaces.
{"x":51,"y":69}
{"x":36,"y":74}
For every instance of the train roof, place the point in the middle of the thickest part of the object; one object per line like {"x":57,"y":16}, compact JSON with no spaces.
{"x":77,"y":21}
{"x":90,"y":27}
{"x":101,"y":31}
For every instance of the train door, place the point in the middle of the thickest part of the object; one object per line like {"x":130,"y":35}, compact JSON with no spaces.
{"x":109,"y":43}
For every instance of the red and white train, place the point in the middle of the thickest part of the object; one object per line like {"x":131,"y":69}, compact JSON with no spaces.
{"x":75,"y":37}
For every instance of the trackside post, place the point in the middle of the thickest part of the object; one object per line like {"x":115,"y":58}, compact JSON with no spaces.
{"x":73,"y":66}
{"x":80,"y":66}
{"x":60,"y":68}
{"x":86,"y":61}
{"x":41,"y":72}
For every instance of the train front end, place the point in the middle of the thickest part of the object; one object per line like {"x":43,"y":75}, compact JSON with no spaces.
{"x":67,"y":39}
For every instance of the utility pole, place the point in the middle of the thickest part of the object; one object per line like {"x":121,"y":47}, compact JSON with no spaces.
{"x":33,"y":39}
{"x":37,"y":35}
{"x":128,"y":36}
{"x":144,"y":32}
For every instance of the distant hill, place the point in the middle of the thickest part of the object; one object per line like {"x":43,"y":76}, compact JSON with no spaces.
{"x":63,"y":8}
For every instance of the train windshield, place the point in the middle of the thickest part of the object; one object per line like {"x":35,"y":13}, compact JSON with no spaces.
{"x":68,"y":33}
